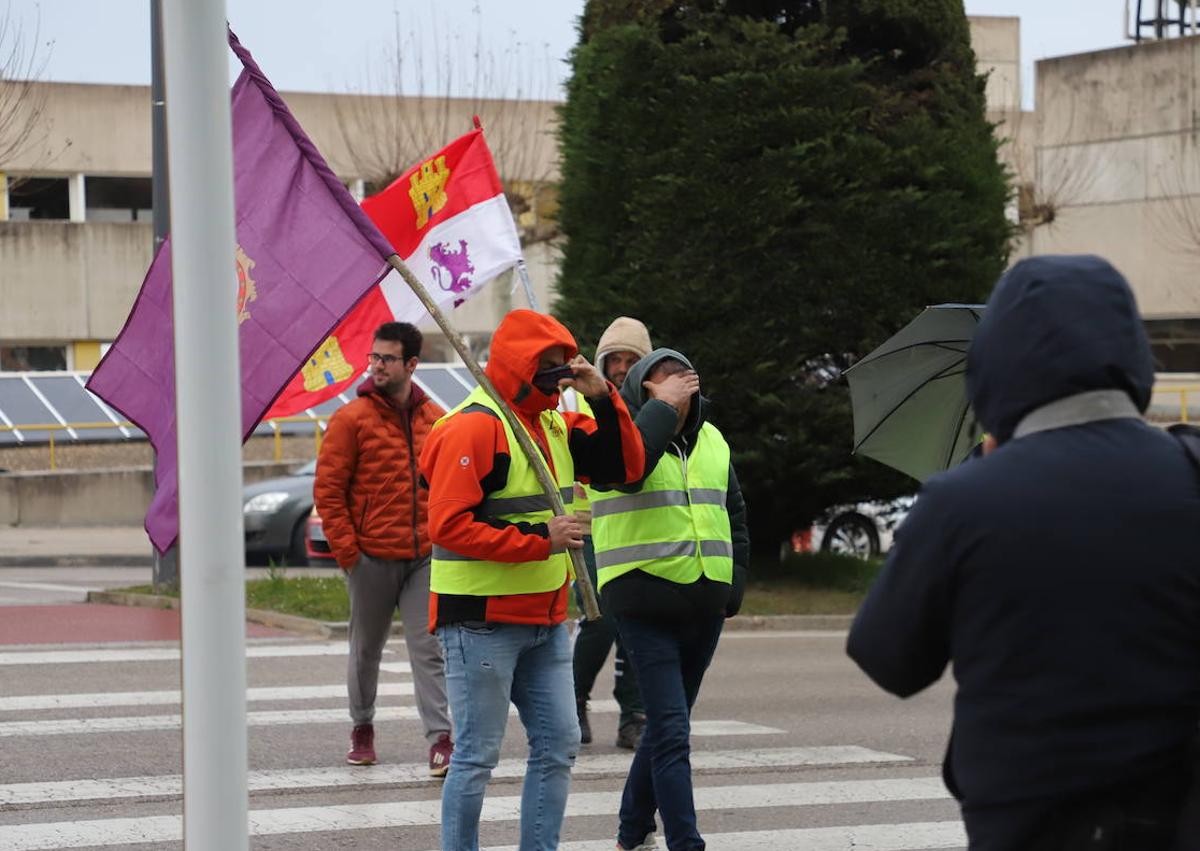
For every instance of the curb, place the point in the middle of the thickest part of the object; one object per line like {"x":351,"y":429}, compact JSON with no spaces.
{"x":800,"y":623}
{"x":341,"y":629}
{"x":139,"y":560}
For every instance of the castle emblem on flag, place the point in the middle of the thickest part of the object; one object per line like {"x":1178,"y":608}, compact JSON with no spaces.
{"x":247,"y":291}
{"x":326,"y":366}
{"x":452,"y":270}
{"x":427,"y":189}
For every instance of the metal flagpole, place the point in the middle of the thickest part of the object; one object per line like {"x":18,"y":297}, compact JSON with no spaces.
{"x":208,"y":411}
{"x":523,"y":274}
{"x":591,"y":608}
{"x":165,"y":573}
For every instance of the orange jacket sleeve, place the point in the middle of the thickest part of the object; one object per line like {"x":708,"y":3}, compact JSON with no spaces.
{"x":336,"y":464}
{"x":465,"y":458}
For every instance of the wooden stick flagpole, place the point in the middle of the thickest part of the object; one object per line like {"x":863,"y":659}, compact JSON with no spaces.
{"x":591,"y":609}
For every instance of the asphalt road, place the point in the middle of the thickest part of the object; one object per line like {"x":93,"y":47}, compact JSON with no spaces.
{"x":799,"y":751}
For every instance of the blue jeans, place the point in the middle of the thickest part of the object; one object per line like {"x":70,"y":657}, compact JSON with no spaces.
{"x":670,"y":660}
{"x":487,"y":667}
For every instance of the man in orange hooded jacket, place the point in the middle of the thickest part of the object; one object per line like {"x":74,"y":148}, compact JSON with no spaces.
{"x":501,"y":571}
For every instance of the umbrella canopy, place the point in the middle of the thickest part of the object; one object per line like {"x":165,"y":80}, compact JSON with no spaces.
{"x":910,"y":396}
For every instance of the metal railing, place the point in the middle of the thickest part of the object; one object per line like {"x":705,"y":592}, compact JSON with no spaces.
{"x":318,"y":424}
{"x":1183,"y":390}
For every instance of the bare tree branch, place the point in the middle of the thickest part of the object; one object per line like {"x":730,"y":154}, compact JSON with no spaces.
{"x":421,"y":111}
{"x":22,"y":101}
{"x":1177,"y":220}
{"x":1047,"y":174}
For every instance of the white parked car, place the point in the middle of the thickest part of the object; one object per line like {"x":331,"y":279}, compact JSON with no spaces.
{"x":863,"y":529}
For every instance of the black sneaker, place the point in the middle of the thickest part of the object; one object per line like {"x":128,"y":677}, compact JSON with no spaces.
{"x":585,"y":729}
{"x":629,"y":734}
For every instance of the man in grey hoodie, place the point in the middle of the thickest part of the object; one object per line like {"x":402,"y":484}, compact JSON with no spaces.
{"x":672,"y":551}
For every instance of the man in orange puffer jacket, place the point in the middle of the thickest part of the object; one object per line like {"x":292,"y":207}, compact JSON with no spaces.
{"x":374,"y":514}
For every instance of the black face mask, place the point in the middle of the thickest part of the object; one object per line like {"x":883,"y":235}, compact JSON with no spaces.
{"x":547,"y":380}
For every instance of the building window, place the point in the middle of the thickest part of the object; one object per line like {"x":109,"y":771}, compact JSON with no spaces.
{"x":32,"y":358}
{"x":38,"y":198}
{"x":1175,"y":344}
{"x":119,"y":199}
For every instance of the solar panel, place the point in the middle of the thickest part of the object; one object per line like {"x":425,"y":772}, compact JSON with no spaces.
{"x":74,"y":405}
{"x":21,"y":406}
{"x":44,"y":398}
{"x":441,"y":384}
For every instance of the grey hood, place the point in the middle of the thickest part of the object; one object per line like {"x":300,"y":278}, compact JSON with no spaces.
{"x":635,"y":394}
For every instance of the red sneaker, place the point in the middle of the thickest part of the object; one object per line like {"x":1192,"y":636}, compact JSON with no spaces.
{"x":439,"y":756}
{"x":362,"y":745}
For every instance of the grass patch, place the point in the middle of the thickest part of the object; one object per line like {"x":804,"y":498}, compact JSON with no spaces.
{"x":809,"y":584}
{"x":804,"y":584}
{"x":764,"y":599}
{"x":321,"y":598}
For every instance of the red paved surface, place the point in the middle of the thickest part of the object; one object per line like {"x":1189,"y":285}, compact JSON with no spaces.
{"x":89,"y":622}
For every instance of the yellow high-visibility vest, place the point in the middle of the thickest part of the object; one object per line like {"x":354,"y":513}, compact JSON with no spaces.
{"x":521,"y":499}
{"x":677,"y":526}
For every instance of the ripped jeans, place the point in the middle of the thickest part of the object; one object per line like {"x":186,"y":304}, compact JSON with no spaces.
{"x":489,"y":665}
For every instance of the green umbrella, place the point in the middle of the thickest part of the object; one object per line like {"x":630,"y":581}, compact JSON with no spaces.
{"x":910,"y":396}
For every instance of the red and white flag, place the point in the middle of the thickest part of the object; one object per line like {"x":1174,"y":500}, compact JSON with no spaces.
{"x":449,"y":221}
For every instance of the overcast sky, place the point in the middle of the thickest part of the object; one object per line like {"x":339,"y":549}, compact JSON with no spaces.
{"x":336,"y":45}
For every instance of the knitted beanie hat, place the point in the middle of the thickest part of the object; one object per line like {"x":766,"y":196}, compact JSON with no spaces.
{"x":624,"y":335}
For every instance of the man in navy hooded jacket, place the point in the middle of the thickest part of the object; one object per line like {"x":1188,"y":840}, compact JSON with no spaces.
{"x":1060,"y":574}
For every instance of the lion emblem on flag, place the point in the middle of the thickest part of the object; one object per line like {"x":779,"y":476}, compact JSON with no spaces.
{"x":452,"y":270}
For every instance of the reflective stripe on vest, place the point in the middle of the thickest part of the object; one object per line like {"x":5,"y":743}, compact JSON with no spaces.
{"x":636,"y":501}
{"x":677,"y":526}
{"x":521,"y":500}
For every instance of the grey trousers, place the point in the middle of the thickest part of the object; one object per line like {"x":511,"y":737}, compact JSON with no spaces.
{"x":377,"y":588}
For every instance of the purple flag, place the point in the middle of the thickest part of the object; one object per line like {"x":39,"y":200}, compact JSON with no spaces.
{"x":306,"y":253}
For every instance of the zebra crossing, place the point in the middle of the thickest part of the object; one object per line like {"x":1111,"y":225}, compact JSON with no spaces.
{"x":759,"y":786}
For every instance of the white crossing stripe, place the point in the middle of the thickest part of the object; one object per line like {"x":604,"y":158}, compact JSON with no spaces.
{"x":616,"y":765}
{"x":31,"y":702}
{"x":269,"y":822}
{"x":911,"y":836}
{"x":46,"y":586}
{"x":168,"y":654}
{"x":124,"y":724}
{"x":731,"y":728}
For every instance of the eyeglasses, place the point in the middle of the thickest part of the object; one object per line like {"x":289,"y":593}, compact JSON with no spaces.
{"x":386,"y":360}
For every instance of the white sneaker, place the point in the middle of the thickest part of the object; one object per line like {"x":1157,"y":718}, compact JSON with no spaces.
{"x":647,"y":844}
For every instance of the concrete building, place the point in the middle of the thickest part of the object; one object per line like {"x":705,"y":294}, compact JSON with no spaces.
{"x":1118,"y":174}
{"x":76,"y":225}
{"x":1108,"y":164}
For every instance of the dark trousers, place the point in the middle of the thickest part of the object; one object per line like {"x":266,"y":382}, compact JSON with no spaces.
{"x":592,"y":643}
{"x":670,"y":660}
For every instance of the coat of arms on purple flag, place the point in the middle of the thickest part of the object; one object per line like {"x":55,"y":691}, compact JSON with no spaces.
{"x":305,"y":254}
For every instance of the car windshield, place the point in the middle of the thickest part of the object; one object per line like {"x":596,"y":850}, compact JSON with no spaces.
{"x":309,"y":469}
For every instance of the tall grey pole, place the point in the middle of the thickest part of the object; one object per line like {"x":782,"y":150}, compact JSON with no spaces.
{"x":208,"y":415}
{"x":166,"y":565}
